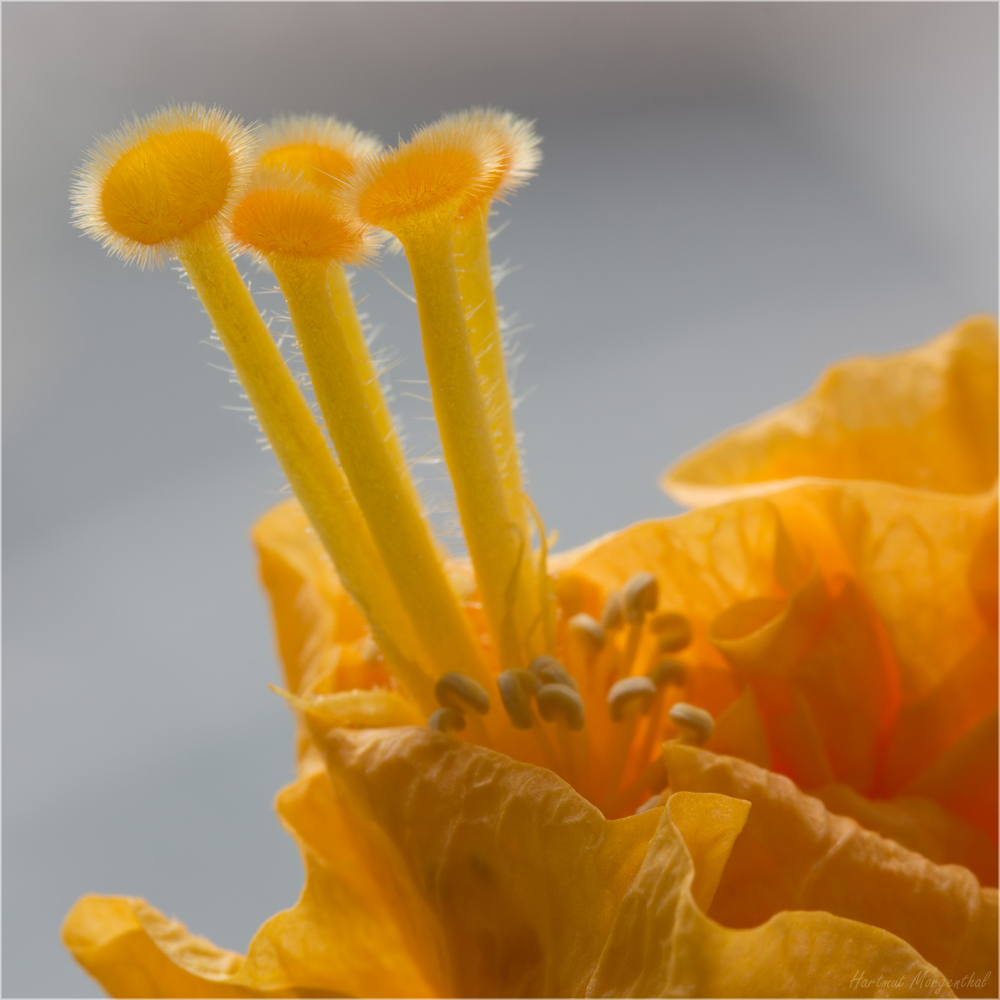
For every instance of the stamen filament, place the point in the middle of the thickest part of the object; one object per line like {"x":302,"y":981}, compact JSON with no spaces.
{"x":616,"y":756}
{"x":354,"y":337}
{"x":665,"y":674}
{"x":628,"y":700}
{"x":543,"y":741}
{"x":303,"y":454}
{"x":475,"y":285}
{"x":383,"y":491}
{"x":632,"y":640}
{"x":497,"y":546}
{"x":652,"y":776}
{"x":546,"y":596}
{"x":639,"y":596}
{"x":568,"y":752}
{"x":653,"y":722}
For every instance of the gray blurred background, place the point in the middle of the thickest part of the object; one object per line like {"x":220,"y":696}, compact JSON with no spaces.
{"x":732,"y":197}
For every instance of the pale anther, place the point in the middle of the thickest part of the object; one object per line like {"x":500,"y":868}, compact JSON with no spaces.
{"x":446,"y":720}
{"x":629,"y":690}
{"x":695,"y":724}
{"x":588,"y":630}
{"x":668,"y":672}
{"x":516,"y":688}
{"x":613,"y":614}
{"x":454,"y":690}
{"x":673,"y":631}
{"x":560,"y":701}
{"x":640,"y":595}
{"x":550,"y":671}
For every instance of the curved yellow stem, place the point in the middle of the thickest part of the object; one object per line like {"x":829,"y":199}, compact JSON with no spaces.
{"x":475,"y":285}
{"x":304,"y":457}
{"x":384,"y":493}
{"x":354,"y":336}
{"x":497,"y":545}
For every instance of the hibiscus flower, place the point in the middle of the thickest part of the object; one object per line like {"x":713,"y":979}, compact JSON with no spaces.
{"x":585,"y":774}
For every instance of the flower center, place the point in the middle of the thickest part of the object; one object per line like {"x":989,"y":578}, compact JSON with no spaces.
{"x":598,"y":711}
{"x":531,"y":669}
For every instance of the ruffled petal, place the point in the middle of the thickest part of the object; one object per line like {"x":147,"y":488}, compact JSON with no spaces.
{"x":434,"y":868}
{"x":911,"y":553}
{"x":794,"y":854}
{"x":709,"y":825}
{"x":133,"y":950}
{"x":361,"y":926}
{"x":925,"y":418}
{"x":910,"y":559}
{"x":537,"y":894}
{"x":523,"y":875}
{"x":919,"y":824}
{"x":663,"y":944}
{"x":965,"y":778}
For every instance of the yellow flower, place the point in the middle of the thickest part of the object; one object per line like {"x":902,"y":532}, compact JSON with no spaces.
{"x":554,"y":828}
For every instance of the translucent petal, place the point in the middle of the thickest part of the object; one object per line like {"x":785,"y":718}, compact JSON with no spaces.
{"x":925,"y":418}
{"x":522,"y":874}
{"x":361,"y":926}
{"x":133,"y":950}
{"x":918,"y":824}
{"x":312,"y":612}
{"x":794,"y":854}
{"x":663,"y":944}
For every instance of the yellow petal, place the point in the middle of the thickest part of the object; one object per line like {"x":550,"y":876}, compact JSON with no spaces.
{"x":538,"y":895}
{"x":377,"y":709}
{"x":739,"y":732}
{"x":523,"y":875}
{"x":663,"y":944}
{"x":964,"y":778}
{"x":435,"y":868}
{"x":824,"y":682}
{"x":311,"y":610}
{"x":925,"y":418}
{"x":793,"y":854}
{"x":912,"y":553}
{"x":361,"y":926}
{"x":913,"y":557}
{"x":984,"y":570}
{"x":853,"y":613}
{"x":709,"y":825}
{"x":919,"y":824}
{"x":133,"y":950}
